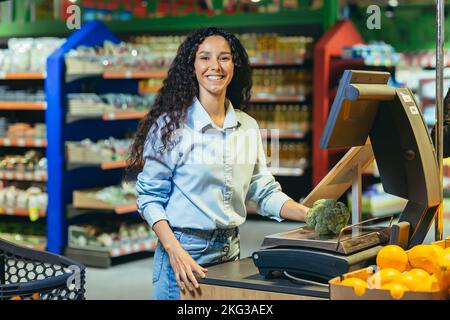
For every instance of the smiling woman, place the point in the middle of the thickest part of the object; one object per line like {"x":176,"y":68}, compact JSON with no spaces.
{"x":195,"y":206}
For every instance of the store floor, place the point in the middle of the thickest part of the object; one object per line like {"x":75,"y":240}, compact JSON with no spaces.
{"x":132,"y":280}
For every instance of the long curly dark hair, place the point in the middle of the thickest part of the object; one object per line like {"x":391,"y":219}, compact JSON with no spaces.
{"x":181,"y":87}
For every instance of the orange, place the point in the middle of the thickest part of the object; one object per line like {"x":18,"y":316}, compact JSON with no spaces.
{"x":424,"y":256}
{"x":417,"y":280}
{"x":383,"y":277}
{"x":422,"y":278}
{"x":442,"y":270}
{"x":434,"y":283}
{"x":392,"y":256}
{"x":359,"y":285}
{"x":397,"y":290}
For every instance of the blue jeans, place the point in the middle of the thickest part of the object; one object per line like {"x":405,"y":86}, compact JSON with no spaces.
{"x":205,"y":247}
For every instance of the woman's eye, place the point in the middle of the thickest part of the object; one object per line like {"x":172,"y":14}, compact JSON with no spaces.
{"x":204,"y":58}
{"x":225,"y":58}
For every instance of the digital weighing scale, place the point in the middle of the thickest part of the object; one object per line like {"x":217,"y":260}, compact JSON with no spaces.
{"x":378,"y":122}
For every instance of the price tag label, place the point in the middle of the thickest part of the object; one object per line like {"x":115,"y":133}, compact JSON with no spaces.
{"x":7,"y":142}
{"x":34,"y":214}
{"x":128,"y":74}
{"x":111,"y":115}
{"x":39,"y":142}
{"x":21,"y":142}
{"x":2,"y":75}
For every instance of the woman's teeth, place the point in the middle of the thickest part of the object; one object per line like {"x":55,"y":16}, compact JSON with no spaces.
{"x":215,"y":77}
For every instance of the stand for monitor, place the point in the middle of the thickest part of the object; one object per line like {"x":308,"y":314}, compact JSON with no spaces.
{"x":344,"y":175}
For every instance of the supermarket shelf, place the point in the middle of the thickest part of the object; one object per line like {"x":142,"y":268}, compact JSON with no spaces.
{"x":276,"y":62}
{"x":123,"y":115}
{"x":134,"y":74}
{"x":104,"y":258}
{"x":130,"y":208}
{"x":23,"y":142}
{"x":37,"y":247}
{"x":279,"y":99}
{"x":108,"y":116}
{"x":72,"y":76}
{"x":23,"y":176}
{"x":73,"y":212}
{"x":122,"y":164}
{"x":22,"y":75}
{"x":287,"y":172}
{"x":285,"y":134}
{"x":22,"y":105}
{"x":135,"y":248}
{"x":20,"y":212}
{"x":103,"y":165}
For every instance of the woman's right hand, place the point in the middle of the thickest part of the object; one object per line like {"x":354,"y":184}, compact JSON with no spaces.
{"x":184,"y":267}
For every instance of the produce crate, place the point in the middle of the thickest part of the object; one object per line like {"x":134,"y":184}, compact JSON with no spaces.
{"x":340,"y":292}
{"x":27,"y":274}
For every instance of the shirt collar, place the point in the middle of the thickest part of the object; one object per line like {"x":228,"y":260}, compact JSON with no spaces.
{"x":200,"y":120}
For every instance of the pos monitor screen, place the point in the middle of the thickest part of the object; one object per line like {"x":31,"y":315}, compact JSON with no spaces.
{"x":366,"y":107}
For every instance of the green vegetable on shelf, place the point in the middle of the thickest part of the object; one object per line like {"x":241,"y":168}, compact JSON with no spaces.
{"x":327,"y":216}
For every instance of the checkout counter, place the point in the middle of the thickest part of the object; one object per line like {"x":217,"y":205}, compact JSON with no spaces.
{"x":376,"y":121}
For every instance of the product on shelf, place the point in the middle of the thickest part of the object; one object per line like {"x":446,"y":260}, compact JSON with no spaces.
{"x":293,"y":155}
{"x":113,"y":57}
{"x":31,"y":95}
{"x":32,"y":199}
{"x":31,"y":161}
{"x":295,"y":118}
{"x":109,"y":198}
{"x":281,"y":82}
{"x":156,"y":53}
{"x":26,"y":130}
{"x":422,"y":59}
{"x":97,"y":152}
{"x":274,"y":47}
{"x":374,"y":54}
{"x":109,"y":235}
{"x":93,"y":104}
{"x":27,"y":234}
{"x":150,"y":86}
{"x":376,"y":203}
{"x":27,"y":54}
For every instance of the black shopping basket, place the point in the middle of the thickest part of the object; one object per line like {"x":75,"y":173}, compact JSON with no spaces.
{"x":29,"y":274}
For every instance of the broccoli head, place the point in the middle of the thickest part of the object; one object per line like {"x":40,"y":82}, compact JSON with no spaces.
{"x":327,"y":216}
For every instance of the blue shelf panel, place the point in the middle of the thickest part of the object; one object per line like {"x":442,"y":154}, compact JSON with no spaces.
{"x":59,"y":182}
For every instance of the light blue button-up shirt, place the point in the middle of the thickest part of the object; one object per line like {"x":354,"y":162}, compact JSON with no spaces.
{"x":205,"y":181}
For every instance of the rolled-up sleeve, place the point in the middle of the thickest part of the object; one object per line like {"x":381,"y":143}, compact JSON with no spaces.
{"x":264,"y":190}
{"x":154,"y":183}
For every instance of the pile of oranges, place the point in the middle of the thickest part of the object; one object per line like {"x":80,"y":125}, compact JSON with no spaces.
{"x":425,"y":267}
{"x":35,"y":296}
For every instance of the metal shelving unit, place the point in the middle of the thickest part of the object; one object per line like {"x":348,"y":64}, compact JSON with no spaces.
{"x":22,"y":143}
